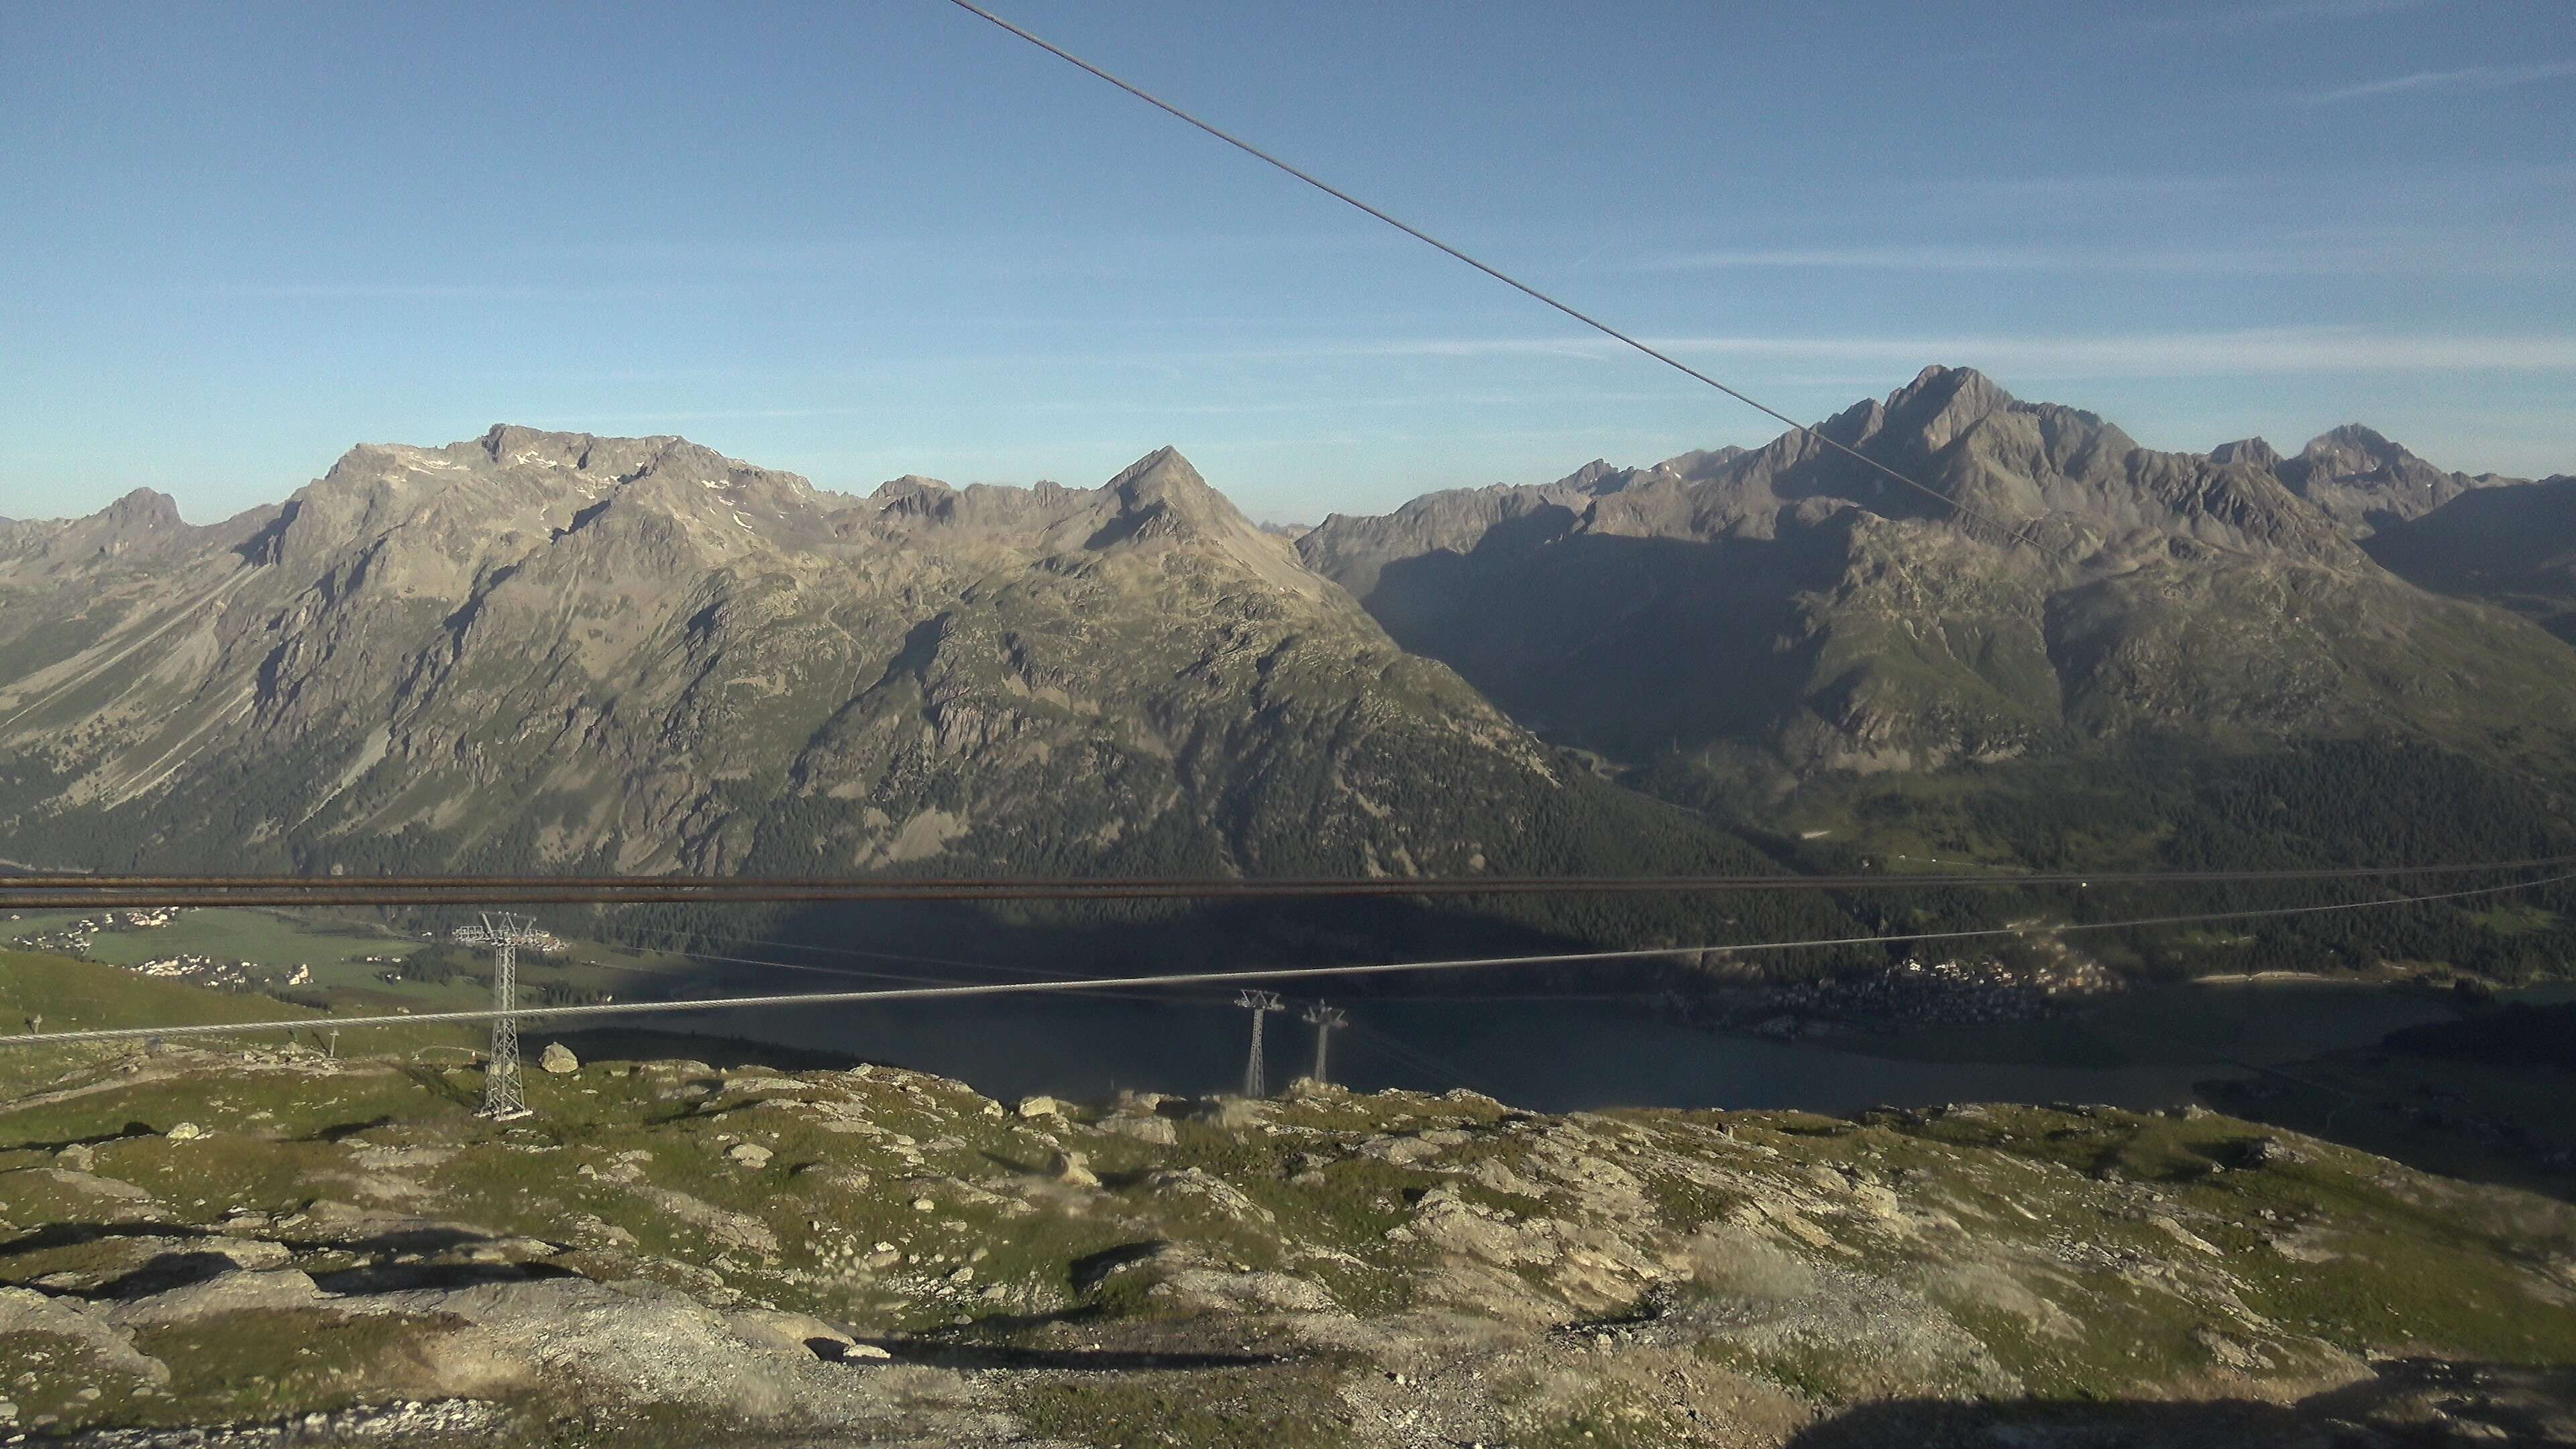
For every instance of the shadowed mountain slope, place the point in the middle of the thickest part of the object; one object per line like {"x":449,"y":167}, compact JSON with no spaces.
{"x":2510,"y":546}
{"x":1788,"y":600}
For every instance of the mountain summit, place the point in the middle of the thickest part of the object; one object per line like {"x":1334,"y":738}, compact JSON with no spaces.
{"x":2365,"y":482}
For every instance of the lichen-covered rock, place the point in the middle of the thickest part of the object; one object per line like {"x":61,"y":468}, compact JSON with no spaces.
{"x":1160,"y":1131}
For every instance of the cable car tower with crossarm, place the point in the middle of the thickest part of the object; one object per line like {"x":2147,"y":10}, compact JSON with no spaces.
{"x":506,"y":936}
{"x":1260,"y":1004}
{"x":1324,"y":1018}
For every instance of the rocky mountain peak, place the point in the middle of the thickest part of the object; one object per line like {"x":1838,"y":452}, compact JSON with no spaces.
{"x":1942,"y":402}
{"x":912,"y":496}
{"x":2253,"y":452}
{"x":2362,"y":479}
{"x":1163,"y":476}
{"x":2353,"y":450}
{"x":142,"y":522}
{"x":2358,"y":436}
{"x":509,"y":443}
{"x":1851,"y":427}
{"x":909,"y":484}
{"x":424,"y":522}
{"x":602,"y":460}
{"x":1161,"y":491}
{"x":1700,"y":462}
{"x":1595,"y":476}
{"x":142,"y":510}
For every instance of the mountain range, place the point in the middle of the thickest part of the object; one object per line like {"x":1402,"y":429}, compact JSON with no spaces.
{"x":1792,"y":601}
{"x":551,"y":652}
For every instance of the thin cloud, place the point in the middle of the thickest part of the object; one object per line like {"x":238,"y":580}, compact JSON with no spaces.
{"x":2284,"y":12}
{"x":399,"y":291}
{"x":628,"y":419}
{"x":1871,"y":259}
{"x":2473,"y":78}
{"x":2326,"y":10}
{"x":2277,"y":261}
{"x":2234,"y":353}
{"x":2248,"y":352}
{"x":2098,"y":189}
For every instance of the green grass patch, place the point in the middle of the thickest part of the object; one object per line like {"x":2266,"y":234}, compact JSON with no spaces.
{"x":1267,"y":1406}
{"x":261,"y":1363}
{"x":47,"y":1375}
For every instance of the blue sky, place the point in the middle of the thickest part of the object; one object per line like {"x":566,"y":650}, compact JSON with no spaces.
{"x":877,"y":237}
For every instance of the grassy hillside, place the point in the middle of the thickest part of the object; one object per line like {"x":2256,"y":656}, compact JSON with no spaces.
{"x":69,"y":995}
{"x":668,"y":1252}
{"x":73,"y":995}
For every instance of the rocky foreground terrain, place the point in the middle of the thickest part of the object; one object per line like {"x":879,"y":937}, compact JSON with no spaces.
{"x":270,"y":1247}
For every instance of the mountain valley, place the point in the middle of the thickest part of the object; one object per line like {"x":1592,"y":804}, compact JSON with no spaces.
{"x":556,"y":652}
{"x":536,"y":652}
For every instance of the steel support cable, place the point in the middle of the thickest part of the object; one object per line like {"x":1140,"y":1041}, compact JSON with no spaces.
{"x":126,"y":892}
{"x":1275,"y":973}
{"x":1516,"y":284}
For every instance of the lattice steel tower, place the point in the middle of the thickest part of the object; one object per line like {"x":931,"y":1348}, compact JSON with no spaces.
{"x":1324,"y":1019}
{"x":1260,"y":1004}
{"x":503,"y":1098}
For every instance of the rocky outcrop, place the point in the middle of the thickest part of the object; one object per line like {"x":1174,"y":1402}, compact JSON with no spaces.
{"x":917,"y":1264}
{"x":2250,"y":452}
